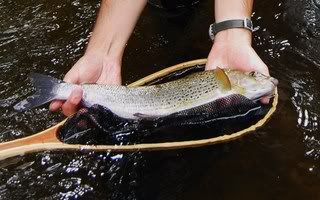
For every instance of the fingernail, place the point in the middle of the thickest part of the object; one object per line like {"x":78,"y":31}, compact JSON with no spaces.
{"x":265,"y":100}
{"x":54,"y":106}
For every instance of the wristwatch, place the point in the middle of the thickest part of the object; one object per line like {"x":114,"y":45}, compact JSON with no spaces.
{"x":235,"y":23}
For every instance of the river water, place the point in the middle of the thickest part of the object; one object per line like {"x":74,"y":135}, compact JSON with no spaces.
{"x":279,"y":161}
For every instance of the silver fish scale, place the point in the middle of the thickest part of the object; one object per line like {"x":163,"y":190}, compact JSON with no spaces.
{"x":156,"y":100}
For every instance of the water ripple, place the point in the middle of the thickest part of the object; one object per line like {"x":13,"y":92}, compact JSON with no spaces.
{"x":42,"y":36}
{"x":305,"y":99}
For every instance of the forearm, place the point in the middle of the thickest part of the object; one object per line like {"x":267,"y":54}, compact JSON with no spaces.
{"x":115,"y":23}
{"x":233,"y":9}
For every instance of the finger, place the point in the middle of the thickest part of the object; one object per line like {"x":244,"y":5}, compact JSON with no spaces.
{"x":71,"y":77}
{"x":211,"y":65}
{"x":72,"y":103}
{"x":264,"y":70}
{"x":261,"y":67}
{"x":55,"y":105}
{"x":265,"y":100}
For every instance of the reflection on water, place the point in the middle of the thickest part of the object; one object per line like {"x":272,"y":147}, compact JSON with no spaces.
{"x":37,"y":37}
{"x":308,"y":109}
{"x":49,"y":36}
{"x":73,"y":176}
{"x":306,"y":106}
{"x":305,"y":83}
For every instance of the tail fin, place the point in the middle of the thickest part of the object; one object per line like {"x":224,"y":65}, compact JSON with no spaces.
{"x":45,"y":92}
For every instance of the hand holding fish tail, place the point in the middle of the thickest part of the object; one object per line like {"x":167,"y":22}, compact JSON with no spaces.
{"x":88,"y":70}
{"x":102,"y":60}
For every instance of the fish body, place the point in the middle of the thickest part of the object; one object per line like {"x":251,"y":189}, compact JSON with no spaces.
{"x":159,"y":100}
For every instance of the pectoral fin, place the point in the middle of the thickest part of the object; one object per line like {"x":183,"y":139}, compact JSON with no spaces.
{"x":222,"y":78}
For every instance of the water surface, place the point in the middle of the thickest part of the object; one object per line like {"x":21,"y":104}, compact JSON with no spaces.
{"x":279,"y":161}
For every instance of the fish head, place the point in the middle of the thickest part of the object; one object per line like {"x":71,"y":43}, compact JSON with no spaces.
{"x":253,"y":85}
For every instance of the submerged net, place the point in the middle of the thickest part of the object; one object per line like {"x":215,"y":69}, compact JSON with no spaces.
{"x":97,"y":125}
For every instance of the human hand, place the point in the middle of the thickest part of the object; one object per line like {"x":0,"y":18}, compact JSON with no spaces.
{"x":232,"y":48}
{"x":88,"y":69}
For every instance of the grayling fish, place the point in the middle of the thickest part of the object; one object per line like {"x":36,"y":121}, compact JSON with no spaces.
{"x":157,"y":100}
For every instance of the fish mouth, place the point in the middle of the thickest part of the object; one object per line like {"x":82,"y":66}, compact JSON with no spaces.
{"x":268,"y":95}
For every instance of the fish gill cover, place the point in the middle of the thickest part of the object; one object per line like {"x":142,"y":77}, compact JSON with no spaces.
{"x":97,"y":125}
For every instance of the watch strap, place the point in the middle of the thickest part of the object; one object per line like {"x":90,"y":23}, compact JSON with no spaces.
{"x":228,"y":24}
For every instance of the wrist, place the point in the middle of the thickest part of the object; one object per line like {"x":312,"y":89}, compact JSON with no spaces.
{"x":107,"y":48}
{"x":229,"y":10}
{"x":231,"y":16}
{"x":238,"y":36}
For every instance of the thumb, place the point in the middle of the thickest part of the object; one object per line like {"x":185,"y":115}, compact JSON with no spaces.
{"x":71,"y":77}
{"x":215,"y":59}
{"x":260,"y":66}
{"x":213,"y":63}
{"x":72,"y":103}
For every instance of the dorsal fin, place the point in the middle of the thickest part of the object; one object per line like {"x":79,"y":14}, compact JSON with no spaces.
{"x":222,"y":78}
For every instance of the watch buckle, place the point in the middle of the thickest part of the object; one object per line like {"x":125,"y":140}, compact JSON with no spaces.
{"x":247,"y":24}
{"x":211,"y":34}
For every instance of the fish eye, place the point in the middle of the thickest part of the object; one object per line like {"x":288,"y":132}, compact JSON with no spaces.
{"x":252,"y":73}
